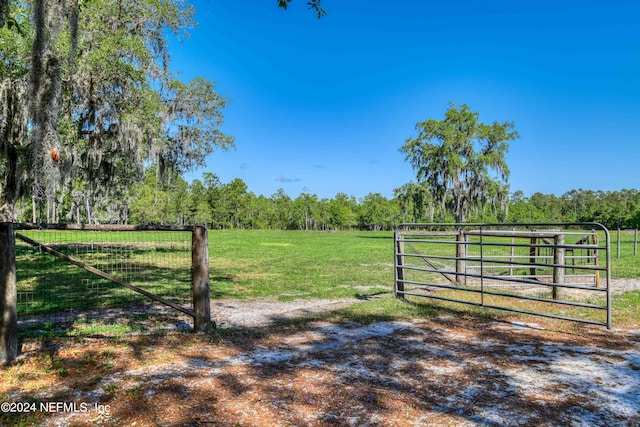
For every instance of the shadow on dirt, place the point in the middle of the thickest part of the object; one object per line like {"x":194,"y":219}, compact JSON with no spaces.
{"x":446,"y":367}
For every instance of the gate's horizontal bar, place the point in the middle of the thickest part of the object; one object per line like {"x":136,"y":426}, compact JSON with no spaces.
{"x":499,"y":294}
{"x":526,"y":234}
{"x":509,"y":225}
{"x":439,"y":298}
{"x":499,"y":257}
{"x":471,"y":244}
{"x":437,"y":285}
{"x":534,"y":245}
{"x":431,"y":241}
{"x":552,"y":301}
{"x":504,"y":279}
{"x":514,"y":263}
{"x":430,"y":233}
{"x":552,"y":316}
{"x":504,"y":244}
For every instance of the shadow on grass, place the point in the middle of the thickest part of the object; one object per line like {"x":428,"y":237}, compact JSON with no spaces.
{"x":47,"y":284}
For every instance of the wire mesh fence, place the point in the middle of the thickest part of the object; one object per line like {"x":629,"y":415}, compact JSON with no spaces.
{"x":625,"y":242}
{"x":155,"y":261}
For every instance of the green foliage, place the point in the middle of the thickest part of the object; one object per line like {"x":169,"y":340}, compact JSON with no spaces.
{"x":96,"y":75}
{"x":15,"y":45}
{"x":378,"y":213}
{"x":192,"y":124}
{"x":613,"y":209}
{"x":171,"y":200}
{"x":461,"y":160}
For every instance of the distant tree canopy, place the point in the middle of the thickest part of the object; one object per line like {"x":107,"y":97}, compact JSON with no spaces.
{"x":226,"y":205}
{"x":462,"y":161}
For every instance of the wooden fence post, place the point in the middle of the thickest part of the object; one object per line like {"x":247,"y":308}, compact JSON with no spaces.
{"x":596,"y":255}
{"x":513,"y":253}
{"x":200,"y":280}
{"x":8,"y":295}
{"x":532,"y":257}
{"x":558,"y":270}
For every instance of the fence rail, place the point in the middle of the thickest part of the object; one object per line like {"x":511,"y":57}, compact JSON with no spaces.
{"x":554,"y":270}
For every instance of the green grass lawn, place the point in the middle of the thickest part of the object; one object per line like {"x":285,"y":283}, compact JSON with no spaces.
{"x":296,"y":264}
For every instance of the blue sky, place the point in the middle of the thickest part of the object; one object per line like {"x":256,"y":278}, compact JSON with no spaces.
{"x":323,"y":106}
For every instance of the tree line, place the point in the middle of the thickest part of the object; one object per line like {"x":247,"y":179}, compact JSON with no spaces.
{"x":231,"y":205}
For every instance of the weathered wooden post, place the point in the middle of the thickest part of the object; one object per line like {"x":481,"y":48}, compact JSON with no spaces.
{"x":532,"y":256}
{"x":596,"y":262}
{"x":513,"y":253}
{"x":399,"y":248}
{"x":558,"y":269}
{"x":8,"y":295}
{"x":200,"y":280}
{"x":461,"y":255}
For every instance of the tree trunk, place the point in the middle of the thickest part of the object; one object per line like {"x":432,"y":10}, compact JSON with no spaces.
{"x":11,"y":190}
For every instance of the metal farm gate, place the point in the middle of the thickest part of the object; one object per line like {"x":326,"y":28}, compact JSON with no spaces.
{"x":556,"y":270}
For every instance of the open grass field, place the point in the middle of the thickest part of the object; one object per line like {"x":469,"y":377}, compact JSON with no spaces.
{"x":291,"y":265}
{"x":375,"y":361}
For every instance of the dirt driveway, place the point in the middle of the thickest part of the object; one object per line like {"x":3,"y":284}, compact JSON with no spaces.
{"x":448,"y":370}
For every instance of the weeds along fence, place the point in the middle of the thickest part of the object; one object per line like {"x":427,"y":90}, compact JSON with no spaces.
{"x":553,"y":270}
{"x":63,"y":270}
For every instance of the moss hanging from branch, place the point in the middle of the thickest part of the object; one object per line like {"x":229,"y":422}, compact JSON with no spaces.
{"x":4,"y":12}
{"x":98,"y":92}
